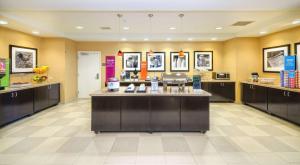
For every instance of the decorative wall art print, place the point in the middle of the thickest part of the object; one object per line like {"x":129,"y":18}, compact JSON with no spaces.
{"x":156,"y":62}
{"x":179,"y":64}
{"x":22,"y":59}
{"x":132,"y":61}
{"x":297,"y":53}
{"x":203,"y":60}
{"x":273,"y":58}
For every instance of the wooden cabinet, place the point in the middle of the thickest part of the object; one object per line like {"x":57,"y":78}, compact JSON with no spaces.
{"x":255,"y":96}
{"x":293,"y":107}
{"x":106,"y":114}
{"x":15,"y":105}
{"x":221,"y":91}
{"x":277,"y":102}
{"x":281,"y":103}
{"x":46,"y":96}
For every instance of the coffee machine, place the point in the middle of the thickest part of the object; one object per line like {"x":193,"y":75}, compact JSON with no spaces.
{"x":2,"y":71}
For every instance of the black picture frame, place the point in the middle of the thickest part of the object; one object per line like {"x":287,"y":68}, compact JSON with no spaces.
{"x":188,"y":62}
{"x":296,"y":54}
{"x":288,"y":46}
{"x":11,"y":47}
{"x":164,"y":68}
{"x":140,"y":61}
{"x":212,"y":59}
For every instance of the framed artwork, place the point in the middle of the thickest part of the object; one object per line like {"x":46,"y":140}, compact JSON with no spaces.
{"x":156,"y":62}
{"x":203,"y":60}
{"x":297,"y":53}
{"x":179,"y":64}
{"x":273,"y":58}
{"x":22,"y":59}
{"x":132,"y":61}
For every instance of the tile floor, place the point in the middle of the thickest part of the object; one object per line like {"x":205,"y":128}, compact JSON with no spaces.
{"x":62,"y":136}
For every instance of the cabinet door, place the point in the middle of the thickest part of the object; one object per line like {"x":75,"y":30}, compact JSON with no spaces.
{"x":247,"y":94}
{"x":194,"y":113}
{"x":277,"y":102}
{"x":228,"y":91}
{"x":294,"y":107}
{"x":135,"y":114}
{"x":7,"y":112}
{"x":106,"y":114}
{"x":54,"y":94}
{"x":40,"y":98}
{"x":205,"y":86}
{"x":260,"y":96}
{"x":216,"y":91}
{"x":24,"y":102}
{"x":165,"y":113}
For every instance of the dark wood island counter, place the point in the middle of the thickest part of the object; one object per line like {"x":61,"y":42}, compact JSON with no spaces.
{"x":168,"y":111}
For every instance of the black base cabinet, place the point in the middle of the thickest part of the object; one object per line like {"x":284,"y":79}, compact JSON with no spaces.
{"x":24,"y":102}
{"x":221,"y":91}
{"x":46,"y":96}
{"x":150,"y":113}
{"x":281,"y":103}
{"x":255,"y":96}
{"x":15,"y":105}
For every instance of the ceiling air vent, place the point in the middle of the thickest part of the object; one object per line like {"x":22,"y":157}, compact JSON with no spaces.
{"x":105,"y":28}
{"x":242,"y":23}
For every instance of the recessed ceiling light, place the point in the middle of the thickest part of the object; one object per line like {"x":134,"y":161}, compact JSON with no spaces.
{"x":2,"y":22}
{"x":79,"y":27}
{"x":263,"y":32}
{"x":168,"y":39}
{"x":124,"y":39}
{"x":35,"y":32}
{"x":297,"y":21}
{"x":219,"y":28}
{"x":172,"y":28}
{"x":126,"y":28}
{"x":214,"y":38}
{"x":146,"y":39}
{"x":190,"y":39}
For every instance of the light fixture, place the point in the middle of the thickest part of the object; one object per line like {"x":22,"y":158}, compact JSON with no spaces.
{"x":150,"y":53}
{"x":2,"y":22}
{"x":146,"y":39}
{"x":79,"y":27}
{"x":172,"y":28}
{"x":219,"y":28}
{"x":214,"y":38}
{"x":181,"y":53}
{"x":126,"y":28}
{"x":263,"y":32}
{"x":190,"y":39}
{"x":168,"y":39}
{"x":120,"y":53}
{"x":35,"y":32}
{"x":123,"y":39}
{"x":297,"y":21}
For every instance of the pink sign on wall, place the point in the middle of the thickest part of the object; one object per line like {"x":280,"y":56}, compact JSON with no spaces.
{"x":110,"y":67}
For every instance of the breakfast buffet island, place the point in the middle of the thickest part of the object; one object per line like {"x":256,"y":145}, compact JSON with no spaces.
{"x":153,"y":111}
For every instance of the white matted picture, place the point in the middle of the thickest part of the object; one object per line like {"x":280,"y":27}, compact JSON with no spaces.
{"x":179,"y":64}
{"x":203,"y":60}
{"x":297,"y":53}
{"x":273,"y":58}
{"x":132,"y":61}
{"x":22,"y":59}
{"x":156,"y":62}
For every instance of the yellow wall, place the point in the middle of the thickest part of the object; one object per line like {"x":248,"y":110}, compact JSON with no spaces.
{"x":111,"y":48}
{"x":58,"y":53}
{"x":241,"y":58}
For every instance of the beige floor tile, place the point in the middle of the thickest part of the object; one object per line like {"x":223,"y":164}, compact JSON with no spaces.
{"x":50,"y":145}
{"x":252,"y":131}
{"x":248,"y":144}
